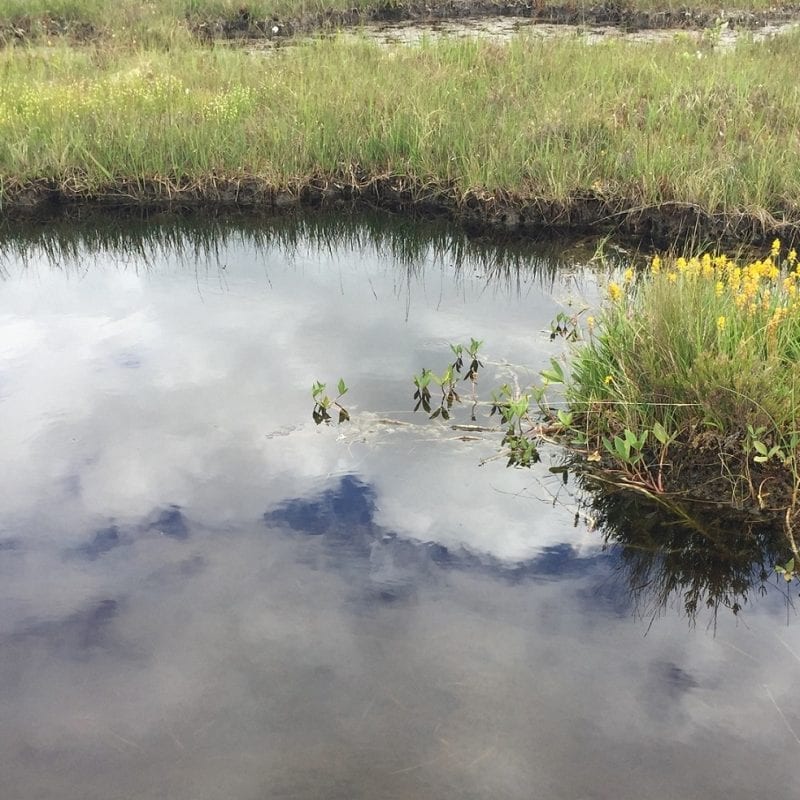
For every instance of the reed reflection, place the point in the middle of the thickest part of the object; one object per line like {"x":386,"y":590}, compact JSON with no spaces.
{"x":700,"y":557}
{"x":207,"y":241}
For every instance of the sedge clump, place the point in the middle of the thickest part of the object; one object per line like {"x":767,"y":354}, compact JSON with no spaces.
{"x":688,"y":380}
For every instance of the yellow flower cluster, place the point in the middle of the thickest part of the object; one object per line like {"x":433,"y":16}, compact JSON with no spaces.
{"x":765,"y":285}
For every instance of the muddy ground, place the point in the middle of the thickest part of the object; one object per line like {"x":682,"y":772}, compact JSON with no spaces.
{"x":692,"y":475}
{"x":609,"y":13}
{"x":245,"y":25}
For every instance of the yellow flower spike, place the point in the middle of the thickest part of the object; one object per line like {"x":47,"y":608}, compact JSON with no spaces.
{"x":590,"y":322}
{"x":719,"y":288}
{"x":681,"y":264}
{"x":655,"y":265}
{"x":776,"y":247}
{"x":614,"y":291}
{"x":773,"y":272}
{"x":792,"y":258}
{"x":628,"y":277}
{"x":608,"y":379}
{"x":720,"y":323}
{"x":672,"y":277}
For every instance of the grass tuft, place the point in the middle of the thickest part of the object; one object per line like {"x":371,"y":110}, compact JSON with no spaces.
{"x":692,"y":370}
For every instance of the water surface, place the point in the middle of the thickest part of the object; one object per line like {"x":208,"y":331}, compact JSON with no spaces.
{"x":204,"y":595}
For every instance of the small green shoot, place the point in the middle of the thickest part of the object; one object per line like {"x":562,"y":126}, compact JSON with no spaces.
{"x":787,"y":570}
{"x":323,"y":404}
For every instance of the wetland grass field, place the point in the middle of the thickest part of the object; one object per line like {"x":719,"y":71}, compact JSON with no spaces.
{"x":582,"y":580}
{"x":555,"y":132}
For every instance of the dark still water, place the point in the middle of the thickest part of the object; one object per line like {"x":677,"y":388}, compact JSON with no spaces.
{"x":204,"y":596}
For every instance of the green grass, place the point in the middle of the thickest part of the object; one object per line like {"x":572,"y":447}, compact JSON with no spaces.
{"x":648,"y":125}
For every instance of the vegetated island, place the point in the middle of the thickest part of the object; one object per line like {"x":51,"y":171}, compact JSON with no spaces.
{"x":686,"y":385}
{"x":681,"y":388}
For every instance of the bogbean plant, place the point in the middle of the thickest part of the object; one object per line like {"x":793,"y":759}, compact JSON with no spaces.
{"x":323,"y":404}
{"x":448,"y":381}
{"x":514,"y":408}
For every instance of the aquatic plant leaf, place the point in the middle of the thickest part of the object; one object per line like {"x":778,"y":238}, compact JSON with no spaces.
{"x":660,"y":433}
{"x":555,"y":374}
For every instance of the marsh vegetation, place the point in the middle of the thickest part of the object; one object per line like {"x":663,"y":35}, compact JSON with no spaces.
{"x":688,"y":385}
{"x":660,"y":141}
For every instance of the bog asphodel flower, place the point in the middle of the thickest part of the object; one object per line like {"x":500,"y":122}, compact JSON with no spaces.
{"x":655,"y":265}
